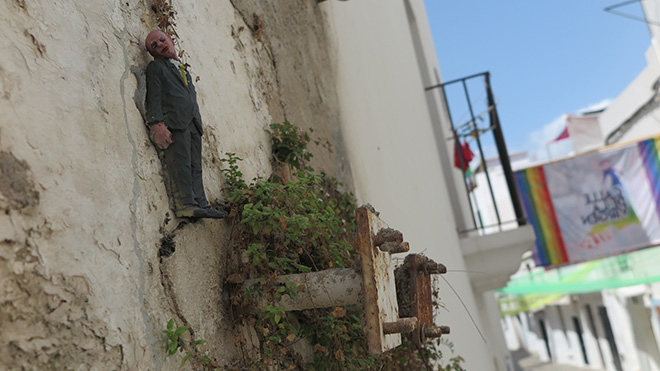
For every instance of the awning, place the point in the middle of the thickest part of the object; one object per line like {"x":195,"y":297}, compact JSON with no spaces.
{"x":541,"y":287}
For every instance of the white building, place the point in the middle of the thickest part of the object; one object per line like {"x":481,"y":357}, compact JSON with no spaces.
{"x":606,"y":319}
{"x":606,"y":316}
{"x":634,"y":113}
{"x":395,"y":133}
{"x":82,"y":284}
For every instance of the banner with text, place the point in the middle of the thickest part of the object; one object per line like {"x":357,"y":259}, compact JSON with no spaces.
{"x":594,"y":205}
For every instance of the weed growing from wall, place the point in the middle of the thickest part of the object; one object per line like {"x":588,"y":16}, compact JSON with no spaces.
{"x":298,"y":221}
{"x":165,"y":18}
{"x":174,"y":343}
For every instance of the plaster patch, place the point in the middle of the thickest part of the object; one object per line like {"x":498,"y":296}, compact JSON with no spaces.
{"x":16,"y":183}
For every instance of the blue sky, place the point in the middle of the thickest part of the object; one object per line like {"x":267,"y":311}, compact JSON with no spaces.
{"x":546,"y":57}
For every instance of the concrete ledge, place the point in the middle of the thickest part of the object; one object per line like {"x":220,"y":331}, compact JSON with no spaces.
{"x":492,"y":259}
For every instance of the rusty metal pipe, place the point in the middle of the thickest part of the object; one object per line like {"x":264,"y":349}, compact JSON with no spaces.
{"x":388,"y":235}
{"x":395,"y":247}
{"x":436,"y":332}
{"x":434,"y":268}
{"x":401,"y":326}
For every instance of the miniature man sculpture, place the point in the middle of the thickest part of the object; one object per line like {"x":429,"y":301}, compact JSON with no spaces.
{"x":176,"y":127}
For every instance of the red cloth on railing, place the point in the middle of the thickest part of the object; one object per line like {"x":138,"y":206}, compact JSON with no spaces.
{"x":468,"y":155}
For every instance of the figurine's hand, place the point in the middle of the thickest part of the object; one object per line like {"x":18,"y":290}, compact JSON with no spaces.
{"x":161,"y":135}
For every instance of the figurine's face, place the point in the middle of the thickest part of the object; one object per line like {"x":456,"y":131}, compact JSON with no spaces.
{"x":160,"y":45}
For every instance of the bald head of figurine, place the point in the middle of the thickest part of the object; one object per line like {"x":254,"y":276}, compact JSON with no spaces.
{"x":160,"y":45}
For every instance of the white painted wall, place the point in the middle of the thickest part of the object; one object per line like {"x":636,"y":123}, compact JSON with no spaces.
{"x":589,"y":332}
{"x":491,"y":329}
{"x":652,"y":11}
{"x":640,"y":90}
{"x":632,"y":99}
{"x":573,"y":354}
{"x":584,"y":132}
{"x":513,"y":332}
{"x":622,"y":328}
{"x":630,"y":315}
{"x":595,"y":301}
{"x":557,"y":335}
{"x":523,"y":331}
{"x":483,"y":201}
{"x":654,"y":302}
{"x":392,"y":147}
{"x":535,"y":326}
{"x":534,"y":336}
{"x":645,"y":342}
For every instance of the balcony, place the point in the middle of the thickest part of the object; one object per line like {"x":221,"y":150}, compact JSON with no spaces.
{"x":492,"y":227}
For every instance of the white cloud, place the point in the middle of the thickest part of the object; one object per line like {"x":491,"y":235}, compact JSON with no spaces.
{"x":539,"y":145}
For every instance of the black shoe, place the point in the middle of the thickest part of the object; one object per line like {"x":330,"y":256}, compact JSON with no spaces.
{"x":194,"y":212}
{"x":191,"y":212}
{"x":215,"y":214}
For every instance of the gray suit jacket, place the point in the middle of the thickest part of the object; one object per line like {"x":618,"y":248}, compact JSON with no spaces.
{"x":168,"y":99}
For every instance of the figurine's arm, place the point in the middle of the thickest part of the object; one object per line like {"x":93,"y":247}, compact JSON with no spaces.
{"x":196,"y":114}
{"x":161,"y":135}
{"x":153,"y":103}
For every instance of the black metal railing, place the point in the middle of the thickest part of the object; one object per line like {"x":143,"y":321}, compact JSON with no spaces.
{"x":471,"y":127}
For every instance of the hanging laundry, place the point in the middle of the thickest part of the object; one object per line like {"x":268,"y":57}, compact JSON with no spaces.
{"x":464,"y":162}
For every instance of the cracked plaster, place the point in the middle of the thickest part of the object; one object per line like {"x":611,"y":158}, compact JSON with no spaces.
{"x":81,"y":285}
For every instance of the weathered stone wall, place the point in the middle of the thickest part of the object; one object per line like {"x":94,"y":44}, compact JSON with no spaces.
{"x":81,"y":190}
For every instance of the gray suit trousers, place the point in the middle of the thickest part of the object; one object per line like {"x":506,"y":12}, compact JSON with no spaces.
{"x":182,"y":162}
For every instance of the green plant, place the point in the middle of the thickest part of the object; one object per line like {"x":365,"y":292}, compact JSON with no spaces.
{"x":289,"y":144}
{"x":235,"y":185}
{"x":273,"y":316}
{"x":298,"y":225}
{"x":289,"y":226}
{"x":454,"y":364}
{"x":175,"y":342}
{"x":292,"y":227}
{"x":455,"y":361}
{"x":338,"y":339}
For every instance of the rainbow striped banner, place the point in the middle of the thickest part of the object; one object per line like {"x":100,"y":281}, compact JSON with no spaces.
{"x":648,"y":151}
{"x":594,"y":205}
{"x":540,"y":212}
